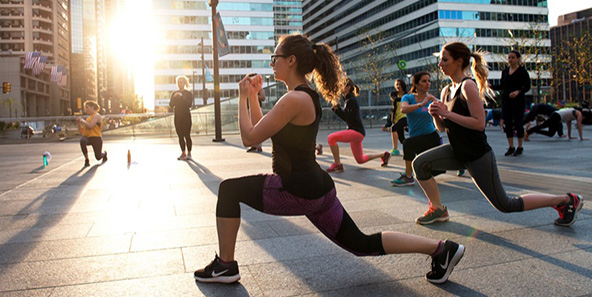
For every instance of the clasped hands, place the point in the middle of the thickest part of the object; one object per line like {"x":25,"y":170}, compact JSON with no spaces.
{"x":249,"y":86}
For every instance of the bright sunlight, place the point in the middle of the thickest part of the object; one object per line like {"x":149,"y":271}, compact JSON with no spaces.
{"x":133,"y":37}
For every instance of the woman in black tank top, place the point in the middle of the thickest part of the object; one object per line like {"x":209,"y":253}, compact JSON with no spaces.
{"x":299,"y":186}
{"x":462,"y":115}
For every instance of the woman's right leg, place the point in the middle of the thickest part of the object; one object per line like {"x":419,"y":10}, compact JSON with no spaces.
{"x":83,"y":144}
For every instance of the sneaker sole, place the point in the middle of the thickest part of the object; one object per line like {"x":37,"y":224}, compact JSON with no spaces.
{"x":220,"y":279}
{"x":432,"y":221}
{"x":335,"y":171}
{"x":575,"y":215}
{"x":385,"y":161}
{"x":402,"y":185}
{"x":455,"y":259}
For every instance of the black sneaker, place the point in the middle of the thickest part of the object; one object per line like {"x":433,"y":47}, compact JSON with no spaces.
{"x":104,"y":157}
{"x":510,"y":151}
{"x":568,"y":212}
{"x":217,"y":272}
{"x":443,"y":263}
{"x":86,"y":163}
{"x":518,"y":151}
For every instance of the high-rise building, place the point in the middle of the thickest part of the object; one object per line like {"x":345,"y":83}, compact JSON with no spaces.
{"x":402,"y":37}
{"x":34,"y":26}
{"x":287,"y":17}
{"x":571,"y":27}
{"x":250,"y":32}
{"x":88,"y":63}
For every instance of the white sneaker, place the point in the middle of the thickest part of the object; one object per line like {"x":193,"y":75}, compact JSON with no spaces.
{"x":182,"y":158}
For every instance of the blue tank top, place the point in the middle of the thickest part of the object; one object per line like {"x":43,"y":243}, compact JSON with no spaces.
{"x":293,"y":156}
{"x":467,"y":144}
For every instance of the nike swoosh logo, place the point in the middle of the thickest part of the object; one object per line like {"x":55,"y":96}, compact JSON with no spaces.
{"x":446,"y":262}
{"x":214,"y":274}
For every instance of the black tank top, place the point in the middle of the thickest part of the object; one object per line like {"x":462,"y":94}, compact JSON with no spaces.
{"x":467,"y":144}
{"x":293,"y":156}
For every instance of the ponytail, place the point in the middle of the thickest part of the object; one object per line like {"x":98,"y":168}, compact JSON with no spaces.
{"x":480,"y":72}
{"x":316,"y":62}
{"x":328,"y":75}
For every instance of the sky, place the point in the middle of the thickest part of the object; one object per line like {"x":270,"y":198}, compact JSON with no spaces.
{"x":561,"y":7}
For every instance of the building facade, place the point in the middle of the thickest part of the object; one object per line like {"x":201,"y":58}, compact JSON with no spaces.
{"x":566,"y":85}
{"x":88,"y":62}
{"x":249,"y":28}
{"x":41,"y":26}
{"x":401,"y":37}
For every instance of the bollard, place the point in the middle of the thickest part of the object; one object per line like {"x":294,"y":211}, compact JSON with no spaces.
{"x":129,"y":157}
{"x":46,"y":158}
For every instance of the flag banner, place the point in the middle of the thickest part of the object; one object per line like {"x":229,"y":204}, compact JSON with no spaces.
{"x":40,"y":65}
{"x":31,"y":59}
{"x":209,"y":76}
{"x":54,"y":72}
{"x":64,"y":81}
{"x":223,"y":48}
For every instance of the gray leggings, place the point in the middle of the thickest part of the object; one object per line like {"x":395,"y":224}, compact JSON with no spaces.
{"x":483,"y":170}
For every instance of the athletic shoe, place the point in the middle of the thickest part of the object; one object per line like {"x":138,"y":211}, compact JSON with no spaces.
{"x":104,"y":157}
{"x":385,"y":158}
{"x":254,"y":149}
{"x":218,"y":272}
{"x":319,"y":148}
{"x":568,"y":212}
{"x":509,"y":151}
{"x":518,"y":151}
{"x":335,"y":168}
{"x":443,"y":263}
{"x":395,"y":152}
{"x":182,"y":158}
{"x":403,"y":181}
{"x":460,"y":172}
{"x":188,"y":156}
{"x":433,"y":215}
{"x":86,"y":163}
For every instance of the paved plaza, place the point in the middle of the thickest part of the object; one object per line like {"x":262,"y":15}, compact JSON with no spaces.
{"x":142,"y":229}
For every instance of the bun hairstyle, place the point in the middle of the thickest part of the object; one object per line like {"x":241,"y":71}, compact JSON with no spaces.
{"x":459,"y":50}
{"x":355,"y":89}
{"x":517,"y":53}
{"x":92,"y":104}
{"x":316,"y":62}
{"x":415,"y":80}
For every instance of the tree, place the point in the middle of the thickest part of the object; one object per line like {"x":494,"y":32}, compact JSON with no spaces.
{"x":375,"y":61}
{"x":9,"y":103}
{"x":574,"y":58}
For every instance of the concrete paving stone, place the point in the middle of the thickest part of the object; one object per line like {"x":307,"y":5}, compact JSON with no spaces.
{"x":167,"y":285}
{"x":42,"y":274}
{"x":28,"y":293}
{"x":64,"y":249}
{"x":34,"y":234}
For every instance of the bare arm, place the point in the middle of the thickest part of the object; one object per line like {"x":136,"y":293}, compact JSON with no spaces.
{"x":438,"y":120}
{"x":476,"y":120}
{"x":409,"y":108}
{"x":92,"y":122}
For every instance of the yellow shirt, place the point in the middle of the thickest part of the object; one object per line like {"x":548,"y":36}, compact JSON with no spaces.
{"x":94,"y":131}
{"x":398,"y":113}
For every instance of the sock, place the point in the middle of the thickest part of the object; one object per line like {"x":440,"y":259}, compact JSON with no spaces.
{"x":439,"y":249}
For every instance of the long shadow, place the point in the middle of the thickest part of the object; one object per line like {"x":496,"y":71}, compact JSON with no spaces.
{"x":357,"y":264}
{"x":463,"y":230}
{"x":19,"y":246}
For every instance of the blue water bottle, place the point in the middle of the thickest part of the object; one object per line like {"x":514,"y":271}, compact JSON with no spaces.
{"x":45,"y":160}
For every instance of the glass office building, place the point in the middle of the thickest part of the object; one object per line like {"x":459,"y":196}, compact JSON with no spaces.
{"x":406,"y":35}
{"x":250,"y":31}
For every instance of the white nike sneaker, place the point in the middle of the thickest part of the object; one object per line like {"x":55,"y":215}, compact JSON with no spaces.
{"x":218,"y":272}
{"x":443,"y":263}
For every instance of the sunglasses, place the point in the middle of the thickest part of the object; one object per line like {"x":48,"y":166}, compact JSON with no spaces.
{"x":274,"y":57}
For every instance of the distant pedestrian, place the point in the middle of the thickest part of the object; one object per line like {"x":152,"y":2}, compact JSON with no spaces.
{"x":298,"y":185}
{"x":422,"y":133}
{"x":461,"y":115}
{"x":514,"y":84}
{"x":538,"y":111}
{"x":397,"y":120}
{"x":90,"y":129}
{"x":554,"y":124}
{"x":181,"y":102}
{"x":355,"y":132}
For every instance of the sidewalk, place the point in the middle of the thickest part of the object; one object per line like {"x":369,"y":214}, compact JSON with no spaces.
{"x":141,"y":230}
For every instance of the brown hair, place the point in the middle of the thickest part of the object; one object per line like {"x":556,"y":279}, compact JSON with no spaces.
{"x":355,"y":89}
{"x":459,"y":50}
{"x":92,"y":104}
{"x":415,"y":80}
{"x":316,"y":61}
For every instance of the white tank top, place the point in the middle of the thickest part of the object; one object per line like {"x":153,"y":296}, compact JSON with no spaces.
{"x":567,"y":114}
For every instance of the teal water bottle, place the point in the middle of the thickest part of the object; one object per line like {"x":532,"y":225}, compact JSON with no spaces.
{"x":45,"y":160}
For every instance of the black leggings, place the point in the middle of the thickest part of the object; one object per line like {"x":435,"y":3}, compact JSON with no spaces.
{"x":183,"y":128}
{"x":553,"y":123}
{"x":483,"y":170}
{"x":97,"y":145}
{"x":399,"y":127}
{"x":265,"y":193}
{"x":513,"y":115}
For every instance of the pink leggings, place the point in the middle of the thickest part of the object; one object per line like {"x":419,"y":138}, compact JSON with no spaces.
{"x":354,"y":138}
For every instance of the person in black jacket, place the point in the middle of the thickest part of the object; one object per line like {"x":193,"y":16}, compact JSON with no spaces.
{"x":181,"y":102}
{"x":355,"y":132}
{"x":514,"y":84}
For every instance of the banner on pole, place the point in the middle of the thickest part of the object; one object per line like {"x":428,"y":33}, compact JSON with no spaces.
{"x":223,"y":47}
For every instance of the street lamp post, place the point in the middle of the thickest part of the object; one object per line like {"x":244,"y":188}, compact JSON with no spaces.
{"x":268,"y":90}
{"x":408,"y":79}
{"x":217,"y":119}
{"x":204,"y":91}
{"x":193,"y":89}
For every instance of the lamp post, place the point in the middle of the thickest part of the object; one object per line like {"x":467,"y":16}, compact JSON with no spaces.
{"x":193,"y":89}
{"x":408,"y":79}
{"x":217,"y":119}
{"x":204,"y":91}
{"x":268,"y":90}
